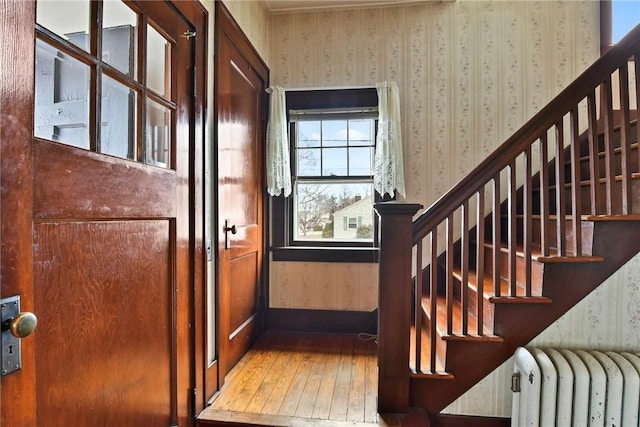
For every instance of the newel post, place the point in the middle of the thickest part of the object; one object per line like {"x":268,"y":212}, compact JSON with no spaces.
{"x":394,"y":304}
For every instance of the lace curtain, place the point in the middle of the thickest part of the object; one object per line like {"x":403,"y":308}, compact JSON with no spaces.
{"x":388,"y":175}
{"x":278,"y":169}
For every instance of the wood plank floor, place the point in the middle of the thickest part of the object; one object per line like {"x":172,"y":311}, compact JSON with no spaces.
{"x":301,"y":379}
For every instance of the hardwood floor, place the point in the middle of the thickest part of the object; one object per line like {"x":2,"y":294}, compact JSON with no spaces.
{"x":301,"y":379}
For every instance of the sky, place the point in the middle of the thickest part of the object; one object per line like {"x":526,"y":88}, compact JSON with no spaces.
{"x":626,"y":15}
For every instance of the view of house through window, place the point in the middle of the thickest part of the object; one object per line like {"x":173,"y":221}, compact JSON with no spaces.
{"x":333,"y":180}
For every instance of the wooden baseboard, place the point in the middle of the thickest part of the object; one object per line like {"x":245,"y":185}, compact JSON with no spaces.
{"x":325,"y":321}
{"x":445,"y":420}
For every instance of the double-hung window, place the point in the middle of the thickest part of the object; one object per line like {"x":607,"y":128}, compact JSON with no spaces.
{"x":329,"y":216}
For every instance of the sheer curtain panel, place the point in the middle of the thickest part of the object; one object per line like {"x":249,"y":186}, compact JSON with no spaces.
{"x":278,"y":167}
{"x":388,"y":169}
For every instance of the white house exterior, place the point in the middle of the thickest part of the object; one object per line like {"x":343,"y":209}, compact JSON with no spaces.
{"x":346,"y":221}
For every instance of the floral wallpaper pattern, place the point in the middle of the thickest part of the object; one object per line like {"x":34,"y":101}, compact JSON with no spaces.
{"x":253,"y":17}
{"x":470,"y":73}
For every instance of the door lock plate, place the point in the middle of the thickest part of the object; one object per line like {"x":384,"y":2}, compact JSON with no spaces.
{"x":11,"y":355}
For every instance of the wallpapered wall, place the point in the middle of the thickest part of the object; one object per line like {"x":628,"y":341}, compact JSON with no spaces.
{"x":470,"y":73}
{"x":253,"y":17}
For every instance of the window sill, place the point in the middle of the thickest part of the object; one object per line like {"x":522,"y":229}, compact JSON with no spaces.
{"x":327,"y":254}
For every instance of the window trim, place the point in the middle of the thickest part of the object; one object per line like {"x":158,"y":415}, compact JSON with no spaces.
{"x":606,"y":25}
{"x":282,"y":246}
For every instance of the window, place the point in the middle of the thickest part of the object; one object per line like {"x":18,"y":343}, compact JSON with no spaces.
{"x":333,"y":175}
{"x":617,"y":18}
{"x":329,"y":216}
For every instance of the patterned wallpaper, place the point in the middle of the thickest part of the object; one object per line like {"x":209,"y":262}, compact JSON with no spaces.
{"x":470,"y":73}
{"x":253,"y":17}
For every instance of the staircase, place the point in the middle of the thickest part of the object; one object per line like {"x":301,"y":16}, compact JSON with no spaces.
{"x":537,"y":226}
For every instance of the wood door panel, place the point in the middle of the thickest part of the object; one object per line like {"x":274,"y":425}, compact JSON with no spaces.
{"x":64,"y":189}
{"x":243,"y":242}
{"x":100,"y":287}
{"x":243,"y":204}
{"x":243,"y":302}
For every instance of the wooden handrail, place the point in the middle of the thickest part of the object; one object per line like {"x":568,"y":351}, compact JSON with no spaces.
{"x":529,"y":132}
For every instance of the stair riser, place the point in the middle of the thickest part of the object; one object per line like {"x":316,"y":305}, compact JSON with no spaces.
{"x":441,"y":345}
{"x":536,"y":270}
{"x":552,"y":235}
{"x":487,"y":307}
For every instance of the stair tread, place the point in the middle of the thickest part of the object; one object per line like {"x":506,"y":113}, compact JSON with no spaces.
{"x":536,"y":255}
{"x":520,"y":300}
{"x":488,"y":288}
{"x":585,"y":217}
{"x":438,"y":375}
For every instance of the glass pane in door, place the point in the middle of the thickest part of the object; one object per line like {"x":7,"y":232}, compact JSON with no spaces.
{"x":158,"y":134}
{"x":119,"y":35}
{"x":158,"y":63}
{"x":67,"y":18}
{"x":118,"y":121}
{"x":61,"y":97}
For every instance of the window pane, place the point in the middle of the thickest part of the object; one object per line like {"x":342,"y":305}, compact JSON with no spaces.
{"x":61,"y":94}
{"x":334,"y":133}
{"x":158,"y":62}
{"x":334,"y":161}
{"x":308,"y":162}
{"x":67,"y":18}
{"x":158,"y":134}
{"x":360,"y":161}
{"x":119,"y":36}
{"x":360,"y":132}
{"x":339,"y":211}
{"x":626,"y":15}
{"x":118,"y":121}
{"x":308,"y":134}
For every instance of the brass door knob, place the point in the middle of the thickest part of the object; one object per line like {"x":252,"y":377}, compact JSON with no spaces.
{"x":22,"y":325}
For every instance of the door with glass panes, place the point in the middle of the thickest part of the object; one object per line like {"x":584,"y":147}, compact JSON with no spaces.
{"x":96,"y":150}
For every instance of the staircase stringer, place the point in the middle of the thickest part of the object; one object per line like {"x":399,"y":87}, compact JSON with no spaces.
{"x":565,"y":284}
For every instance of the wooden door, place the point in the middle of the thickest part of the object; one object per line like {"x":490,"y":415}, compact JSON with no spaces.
{"x":240,"y":94}
{"x":100,"y":245}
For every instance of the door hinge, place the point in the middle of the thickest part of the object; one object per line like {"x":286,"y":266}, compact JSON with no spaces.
{"x":515,"y":383}
{"x":193,"y":402}
{"x":193,"y":81}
